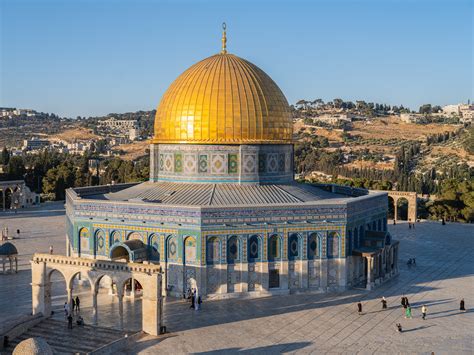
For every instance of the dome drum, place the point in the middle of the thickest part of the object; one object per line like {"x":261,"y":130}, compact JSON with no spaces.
{"x":242,"y":164}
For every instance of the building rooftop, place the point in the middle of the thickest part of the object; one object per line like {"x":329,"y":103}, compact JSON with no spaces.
{"x":188,"y":194}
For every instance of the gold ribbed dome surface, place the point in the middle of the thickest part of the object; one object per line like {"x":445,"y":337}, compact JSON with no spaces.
{"x":223,"y":99}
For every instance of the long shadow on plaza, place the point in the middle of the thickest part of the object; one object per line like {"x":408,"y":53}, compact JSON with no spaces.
{"x":271,"y":349}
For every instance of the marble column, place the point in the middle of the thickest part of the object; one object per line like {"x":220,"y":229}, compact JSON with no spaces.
{"x":369,"y":273}
{"x":69,"y":297}
{"x":94,"y":305}
{"x":120,"y":305}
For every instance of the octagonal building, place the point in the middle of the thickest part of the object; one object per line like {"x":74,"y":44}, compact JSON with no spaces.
{"x":221,"y":211}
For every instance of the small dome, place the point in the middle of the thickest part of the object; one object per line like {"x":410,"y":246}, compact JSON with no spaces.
{"x":8,"y":249}
{"x":33,"y":346}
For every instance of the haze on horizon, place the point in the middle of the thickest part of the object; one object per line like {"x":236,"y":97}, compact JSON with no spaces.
{"x":92,"y":58}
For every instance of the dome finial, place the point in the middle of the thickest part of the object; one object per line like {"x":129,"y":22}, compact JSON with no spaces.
{"x":224,"y":39}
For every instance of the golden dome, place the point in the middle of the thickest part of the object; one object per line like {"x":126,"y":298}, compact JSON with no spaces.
{"x":223,"y":99}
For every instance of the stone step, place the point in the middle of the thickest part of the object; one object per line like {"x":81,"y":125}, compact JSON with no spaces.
{"x":57,"y":323}
{"x":68,"y":341}
{"x":85,"y":331}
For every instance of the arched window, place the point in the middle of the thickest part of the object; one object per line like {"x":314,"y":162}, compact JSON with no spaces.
{"x":379,"y":225}
{"x":274,"y":247}
{"x":172,"y":248}
{"x":333,"y":245}
{"x":212,"y":250}
{"x":100,"y":242}
{"x":232,"y":249}
{"x":154,"y":247}
{"x":84,"y":237}
{"x":384,"y":224}
{"x":374,"y":226}
{"x":190,"y":250}
{"x":313,"y":251}
{"x":135,"y":236}
{"x":114,"y":237}
{"x":293,"y":247}
{"x":253,"y":249}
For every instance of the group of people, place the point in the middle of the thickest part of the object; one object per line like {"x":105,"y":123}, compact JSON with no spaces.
{"x":194,"y":298}
{"x":69,"y":314}
{"x":407,"y":312}
{"x":411,"y":262}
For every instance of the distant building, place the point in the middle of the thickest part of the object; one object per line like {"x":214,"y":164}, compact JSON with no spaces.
{"x":120,"y":124}
{"x":335,"y":119}
{"x":466,"y":112}
{"x":452,"y":110}
{"x":133,"y":134}
{"x":35,"y":144}
{"x":413,"y":118}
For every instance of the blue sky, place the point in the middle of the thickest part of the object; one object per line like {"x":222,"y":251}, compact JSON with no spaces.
{"x":93,"y":57}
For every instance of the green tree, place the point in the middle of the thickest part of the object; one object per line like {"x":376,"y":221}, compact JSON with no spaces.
{"x":5,"y":157}
{"x":15,"y":168}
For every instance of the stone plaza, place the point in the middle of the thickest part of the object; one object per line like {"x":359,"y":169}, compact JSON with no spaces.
{"x":299,"y":323}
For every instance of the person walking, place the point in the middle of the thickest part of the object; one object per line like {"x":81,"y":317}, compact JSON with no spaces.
{"x":359,"y":308}
{"x":78,"y":302}
{"x":69,"y":321}
{"x":51,"y":249}
{"x":408,"y":312}
{"x":399,"y":327}
{"x":462,"y":307}
{"x":384,"y":303}
{"x":73,"y":302}
{"x":424,"y":309}
{"x":66,"y":310}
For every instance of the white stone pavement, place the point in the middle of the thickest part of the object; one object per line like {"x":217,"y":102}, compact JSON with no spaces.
{"x":306,"y":323}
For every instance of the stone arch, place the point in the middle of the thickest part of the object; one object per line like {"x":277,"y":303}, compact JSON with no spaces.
{"x":391,"y":207}
{"x":294,"y":246}
{"x":233,"y":247}
{"x":313,"y":246}
{"x":154,"y":247}
{"x":120,"y":252}
{"x":213,"y":250}
{"x":274,"y":247}
{"x":402,"y":208}
{"x":190,"y":250}
{"x":254,"y":252}
{"x":333,"y":243}
{"x":73,"y":275}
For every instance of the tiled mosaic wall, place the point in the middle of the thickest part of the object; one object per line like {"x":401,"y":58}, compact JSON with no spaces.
{"x":222,"y":163}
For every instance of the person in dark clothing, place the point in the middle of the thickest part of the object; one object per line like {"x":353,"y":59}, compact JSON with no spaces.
{"x":193,"y":300}
{"x":403,"y":302}
{"x":359,"y":307}
{"x":384,"y":303}
{"x":399,"y":327}
{"x":462,"y":307}
{"x":69,"y":321}
{"x":73,"y":302}
{"x":78,"y":302}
